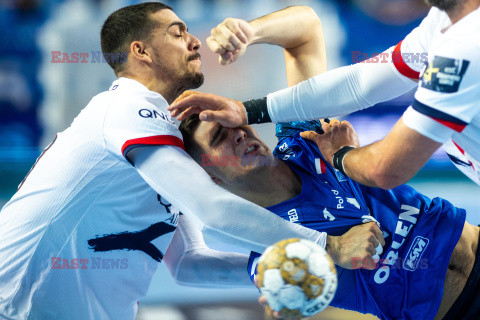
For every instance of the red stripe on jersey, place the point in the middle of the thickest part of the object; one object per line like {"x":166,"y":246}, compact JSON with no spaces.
{"x":459,"y":148}
{"x":320,"y":166}
{"x":153,"y":141}
{"x":452,"y":125}
{"x":401,"y":66}
{"x":463,"y":152}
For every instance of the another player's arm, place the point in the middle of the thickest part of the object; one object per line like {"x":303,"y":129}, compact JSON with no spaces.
{"x":438,"y":111}
{"x":387,"y":163}
{"x":336,"y":92}
{"x":178,"y":178}
{"x":192,"y":263}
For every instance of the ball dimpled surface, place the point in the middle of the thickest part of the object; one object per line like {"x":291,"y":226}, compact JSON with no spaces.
{"x":297,"y":277}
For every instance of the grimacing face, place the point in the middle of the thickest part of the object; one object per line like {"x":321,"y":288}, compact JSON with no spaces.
{"x":231,"y":154}
{"x":175,"y":53}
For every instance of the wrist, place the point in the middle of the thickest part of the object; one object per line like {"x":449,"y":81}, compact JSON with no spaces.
{"x":339,"y":156}
{"x":257,"y":111}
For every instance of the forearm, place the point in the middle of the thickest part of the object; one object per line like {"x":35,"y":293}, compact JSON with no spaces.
{"x":288,"y":28}
{"x":392,"y":161}
{"x":229,"y":218}
{"x":192,"y":263}
{"x":338,"y":92}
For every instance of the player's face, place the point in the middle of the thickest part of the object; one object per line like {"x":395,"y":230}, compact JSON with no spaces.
{"x":175,"y":55}
{"x":232,"y":154}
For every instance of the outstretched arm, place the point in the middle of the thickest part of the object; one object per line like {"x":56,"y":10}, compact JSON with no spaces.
{"x":336,"y":92}
{"x":216,"y":211}
{"x":192,"y":263}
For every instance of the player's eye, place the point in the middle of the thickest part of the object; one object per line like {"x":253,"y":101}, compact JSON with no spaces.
{"x":220,"y":140}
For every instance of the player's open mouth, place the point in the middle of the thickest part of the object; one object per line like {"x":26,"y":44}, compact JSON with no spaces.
{"x":251,"y":149}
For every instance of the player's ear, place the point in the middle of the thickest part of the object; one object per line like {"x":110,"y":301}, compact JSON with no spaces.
{"x":139,"y":50}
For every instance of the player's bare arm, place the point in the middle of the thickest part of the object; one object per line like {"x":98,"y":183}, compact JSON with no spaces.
{"x":296,"y":29}
{"x":387,"y":163}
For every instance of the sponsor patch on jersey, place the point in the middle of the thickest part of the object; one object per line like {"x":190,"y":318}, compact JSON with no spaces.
{"x":340,"y":176}
{"x":443,"y":74}
{"x":415,"y":253}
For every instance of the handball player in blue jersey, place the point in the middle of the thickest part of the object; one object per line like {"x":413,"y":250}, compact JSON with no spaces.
{"x":428,"y":265}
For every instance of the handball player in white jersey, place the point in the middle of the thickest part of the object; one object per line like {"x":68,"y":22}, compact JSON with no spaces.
{"x":84,"y":233}
{"x":446,"y":109}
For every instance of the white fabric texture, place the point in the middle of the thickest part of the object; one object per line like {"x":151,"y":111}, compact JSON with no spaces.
{"x":192,"y":263}
{"x":338,"y":92}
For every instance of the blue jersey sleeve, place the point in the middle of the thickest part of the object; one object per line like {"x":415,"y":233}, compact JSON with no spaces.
{"x":289,"y":129}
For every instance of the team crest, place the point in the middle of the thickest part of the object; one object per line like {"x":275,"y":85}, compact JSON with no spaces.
{"x":443,"y":74}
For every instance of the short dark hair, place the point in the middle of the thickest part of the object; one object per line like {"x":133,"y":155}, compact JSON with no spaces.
{"x":124,"y":26}
{"x":187,"y":128}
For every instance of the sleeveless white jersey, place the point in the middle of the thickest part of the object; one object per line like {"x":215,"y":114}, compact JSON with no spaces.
{"x":83,"y":235}
{"x":447,"y":103}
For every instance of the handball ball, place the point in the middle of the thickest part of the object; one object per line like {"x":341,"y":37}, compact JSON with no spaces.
{"x":297,"y":277}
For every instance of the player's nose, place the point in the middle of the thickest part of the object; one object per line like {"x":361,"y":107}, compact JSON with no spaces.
{"x":240,"y":136}
{"x":194,"y":44}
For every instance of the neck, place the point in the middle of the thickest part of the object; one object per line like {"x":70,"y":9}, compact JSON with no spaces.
{"x":165,"y":89}
{"x":269,"y":187}
{"x":462,"y":9}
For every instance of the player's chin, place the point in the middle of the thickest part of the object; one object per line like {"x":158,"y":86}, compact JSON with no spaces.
{"x":194,"y":80}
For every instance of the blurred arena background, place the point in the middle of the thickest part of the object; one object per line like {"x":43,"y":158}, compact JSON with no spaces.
{"x":39,"y":97}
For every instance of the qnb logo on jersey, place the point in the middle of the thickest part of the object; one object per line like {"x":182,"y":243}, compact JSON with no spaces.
{"x":415,"y":253}
{"x":154,"y":114}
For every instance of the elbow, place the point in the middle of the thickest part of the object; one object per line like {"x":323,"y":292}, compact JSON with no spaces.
{"x":386,"y":178}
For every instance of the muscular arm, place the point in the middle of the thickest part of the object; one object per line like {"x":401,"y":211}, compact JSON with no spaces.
{"x":218,"y":212}
{"x":392,"y":161}
{"x":299,"y":31}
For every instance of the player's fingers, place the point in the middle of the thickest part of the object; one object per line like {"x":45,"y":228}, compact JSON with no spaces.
{"x":370,"y":249}
{"x":214,"y":46}
{"x":185,"y":94}
{"x":310,"y":135}
{"x":326,"y":127}
{"x":187,"y":101}
{"x":378,"y":233}
{"x":213,"y":116}
{"x":225,"y":58}
{"x":374,"y":241}
{"x":218,"y":35}
{"x":263,"y":301}
{"x":229,"y":29}
{"x":334,"y":121}
{"x":235,"y":28}
{"x":188,"y":112}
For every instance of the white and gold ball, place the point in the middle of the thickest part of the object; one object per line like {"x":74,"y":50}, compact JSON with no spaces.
{"x":297,"y":277}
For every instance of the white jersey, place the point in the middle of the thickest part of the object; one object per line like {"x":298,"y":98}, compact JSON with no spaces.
{"x":85,"y":232}
{"x":447,"y":103}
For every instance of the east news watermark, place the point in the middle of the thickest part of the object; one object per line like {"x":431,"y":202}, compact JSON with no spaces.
{"x":88,"y":57}
{"x":58,"y":263}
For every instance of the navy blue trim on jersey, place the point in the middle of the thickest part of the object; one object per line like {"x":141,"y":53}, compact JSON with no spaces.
{"x":439,"y":116}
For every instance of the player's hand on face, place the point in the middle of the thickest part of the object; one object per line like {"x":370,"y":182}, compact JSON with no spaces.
{"x":359,"y":247}
{"x":229,"y":113}
{"x":336,"y":134}
{"x":230,"y":39}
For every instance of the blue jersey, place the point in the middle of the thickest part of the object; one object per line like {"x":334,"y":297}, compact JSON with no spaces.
{"x":420,"y":233}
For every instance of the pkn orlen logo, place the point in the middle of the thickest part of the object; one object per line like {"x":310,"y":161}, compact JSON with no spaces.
{"x":415,"y":253}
